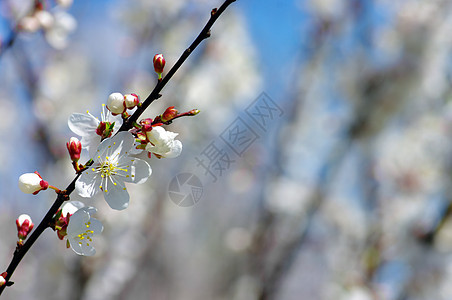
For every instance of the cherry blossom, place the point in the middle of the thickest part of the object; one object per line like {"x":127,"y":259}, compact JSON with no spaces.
{"x":111,"y":169}
{"x":81,"y":229}
{"x":92,"y":130}
{"x":162,"y":143}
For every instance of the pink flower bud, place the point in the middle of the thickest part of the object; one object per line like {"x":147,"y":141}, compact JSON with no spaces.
{"x":146,"y":124}
{"x":131,"y":100}
{"x":169,"y":114}
{"x":159,"y":64}
{"x":24,"y":226}
{"x":32,"y":183}
{"x":116,"y":103}
{"x":74,"y":146}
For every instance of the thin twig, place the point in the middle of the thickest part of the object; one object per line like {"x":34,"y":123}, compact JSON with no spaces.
{"x":155,"y":94}
{"x":20,"y":252}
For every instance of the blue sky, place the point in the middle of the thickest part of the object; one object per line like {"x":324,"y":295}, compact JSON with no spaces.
{"x":275,"y":27}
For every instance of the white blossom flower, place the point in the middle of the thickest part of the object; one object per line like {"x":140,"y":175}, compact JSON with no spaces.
{"x":32,"y":183}
{"x":91,"y":129}
{"x":81,"y":229}
{"x":111,"y":169}
{"x":162,"y":143}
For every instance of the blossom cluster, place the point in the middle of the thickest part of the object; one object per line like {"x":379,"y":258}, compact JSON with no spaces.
{"x":113,"y":163}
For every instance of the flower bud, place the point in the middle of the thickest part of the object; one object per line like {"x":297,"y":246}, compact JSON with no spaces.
{"x":159,"y":64}
{"x":75,"y":148}
{"x":24,"y":226}
{"x":32,"y":183}
{"x":2,"y":279}
{"x":193,"y":112}
{"x":169,"y":114}
{"x":131,"y":100}
{"x":116,"y":103}
{"x":146,"y":124}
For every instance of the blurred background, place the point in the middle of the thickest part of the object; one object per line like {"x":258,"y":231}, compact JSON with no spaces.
{"x":339,"y":186}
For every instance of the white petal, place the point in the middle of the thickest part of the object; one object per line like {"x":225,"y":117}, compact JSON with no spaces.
{"x":134,"y":149}
{"x":114,"y":119}
{"x":76,"y":246}
{"x":82,"y":124}
{"x":127,"y":142}
{"x":93,"y":146}
{"x":89,"y":210}
{"x":96,"y":226}
{"x":156,"y":135}
{"x":117,"y":196}
{"x":176,"y":149}
{"x":158,"y":149}
{"x":171,"y":135}
{"x":138,"y":170}
{"x":88,"y":250}
{"x":77,"y":223}
{"x":88,"y":183}
{"x":82,"y":249}
{"x":117,"y":145}
{"x":71,"y":207}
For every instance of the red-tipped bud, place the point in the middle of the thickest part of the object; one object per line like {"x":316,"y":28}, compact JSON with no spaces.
{"x":131,"y":100}
{"x":159,"y":64}
{"x":75,"y":148}
{"x":146,"y":124}
{"x":24,"y":226}
{"x":169,"y":114}
{"x":193,"y":112}
{"x":32,"y":183}
{"x":2,"y":279}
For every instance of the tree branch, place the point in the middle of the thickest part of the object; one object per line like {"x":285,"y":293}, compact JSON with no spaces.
{"x":155,"y":94}
{"x":20,"y":252}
